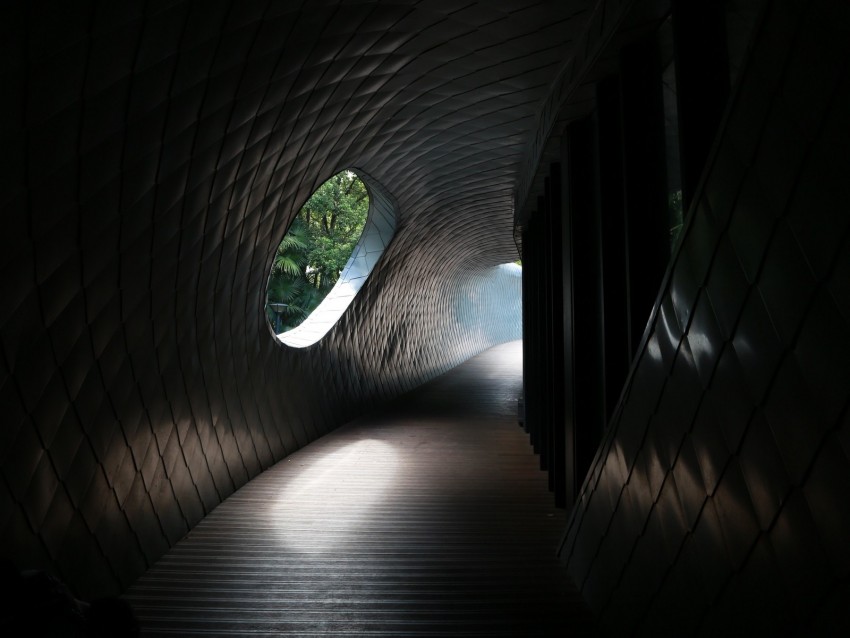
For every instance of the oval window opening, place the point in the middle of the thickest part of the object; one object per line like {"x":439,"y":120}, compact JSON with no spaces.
{"x":326,"y":255}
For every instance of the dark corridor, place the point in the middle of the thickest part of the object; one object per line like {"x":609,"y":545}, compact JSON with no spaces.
{"x":674,"y":177}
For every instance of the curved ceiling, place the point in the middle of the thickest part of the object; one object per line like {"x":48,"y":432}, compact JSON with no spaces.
{"x":154,"y":154}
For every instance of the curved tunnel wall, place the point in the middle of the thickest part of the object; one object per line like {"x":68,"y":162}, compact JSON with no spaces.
{"x":153,"y":157}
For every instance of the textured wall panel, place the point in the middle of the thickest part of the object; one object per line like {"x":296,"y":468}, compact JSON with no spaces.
{"x":153,"y":155}
{"x":718,"y":501}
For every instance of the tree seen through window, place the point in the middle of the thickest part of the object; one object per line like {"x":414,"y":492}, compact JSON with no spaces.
{"x":314,"y":251}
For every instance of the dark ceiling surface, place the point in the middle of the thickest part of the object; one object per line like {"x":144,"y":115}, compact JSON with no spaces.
{"x":153,"y":154}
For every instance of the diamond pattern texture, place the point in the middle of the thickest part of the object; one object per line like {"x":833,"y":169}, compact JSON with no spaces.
{"x":154,"y":154}
{"x":718,"y":502}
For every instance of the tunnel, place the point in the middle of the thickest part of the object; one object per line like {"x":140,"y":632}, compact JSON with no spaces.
{"x":621,"y":222}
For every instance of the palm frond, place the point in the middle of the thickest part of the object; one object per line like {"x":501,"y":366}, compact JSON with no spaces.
{"x":289,"y":263}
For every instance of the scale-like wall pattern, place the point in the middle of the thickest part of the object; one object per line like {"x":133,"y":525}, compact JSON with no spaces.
{"x":718,"y":502}
{"x":153,"y":155}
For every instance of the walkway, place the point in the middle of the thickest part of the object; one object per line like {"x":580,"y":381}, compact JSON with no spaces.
{"x":428,"y":519}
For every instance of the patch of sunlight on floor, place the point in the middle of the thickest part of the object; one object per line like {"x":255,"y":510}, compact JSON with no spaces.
{"x":333,"y":493}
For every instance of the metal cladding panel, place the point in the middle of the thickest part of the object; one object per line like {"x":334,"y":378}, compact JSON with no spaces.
{"x":718,"y":499}
{"x":153,"y":157}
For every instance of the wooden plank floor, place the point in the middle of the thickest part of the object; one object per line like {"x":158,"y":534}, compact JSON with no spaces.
{"x":430,"y":518}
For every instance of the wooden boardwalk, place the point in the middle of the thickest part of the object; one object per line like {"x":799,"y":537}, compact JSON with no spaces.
{"x":430,"y":518}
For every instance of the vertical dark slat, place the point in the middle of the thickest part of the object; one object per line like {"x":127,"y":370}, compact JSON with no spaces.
{"x":702,"y":83}
{"x":645,"y":166}
{"x":537,"y":345}
{"x":588,"y":338}
{"x":555,"y":238}
{"x":526,"y":328}
{"x":614,"y":247}
{"x":532,"y":363}
{"x":545,"y":283}
{"x":570,"y":485}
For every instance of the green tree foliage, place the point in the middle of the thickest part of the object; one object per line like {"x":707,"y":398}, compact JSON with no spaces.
{"x":676,"y":213}
{"x":313,"y":253}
